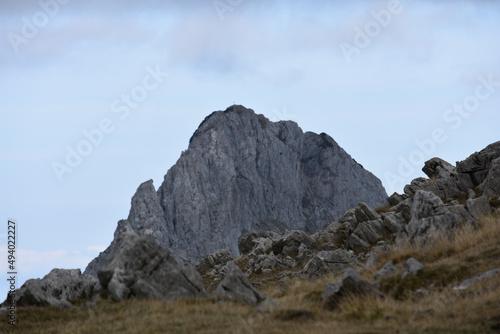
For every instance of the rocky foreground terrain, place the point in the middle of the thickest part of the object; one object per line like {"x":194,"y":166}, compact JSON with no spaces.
{"x":431,"y":245}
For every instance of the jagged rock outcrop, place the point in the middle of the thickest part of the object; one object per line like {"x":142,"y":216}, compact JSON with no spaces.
{"x":330,"y":262}
{"x":214,"y":261}
{"x":236,"y":286}
{"x":480,"y":170}
{"x":351,"y":285}
{"x":139,"y":268}
{"x":59,"y":288}
{"x":243,"y":173}
{"x":429,"y":216}
{"x":257,"y":242}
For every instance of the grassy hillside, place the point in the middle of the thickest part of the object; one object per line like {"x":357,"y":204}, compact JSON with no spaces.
{"x":436,"y":308}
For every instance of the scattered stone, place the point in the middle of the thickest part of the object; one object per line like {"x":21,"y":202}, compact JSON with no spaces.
{"x":235,"y":286}
{"x":351,"y":284}
{"x":330,"y":262}
{"x":139,"y":268}
{"x":388,"y":269}
{"x":468,"y":282}
{"x":412,"y":267}
{"x":219,"y":258}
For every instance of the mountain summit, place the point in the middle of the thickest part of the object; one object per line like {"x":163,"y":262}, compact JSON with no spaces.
{"x":240,"y":173}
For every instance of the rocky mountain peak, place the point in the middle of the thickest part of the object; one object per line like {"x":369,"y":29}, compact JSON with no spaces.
{"x":244,"y":173}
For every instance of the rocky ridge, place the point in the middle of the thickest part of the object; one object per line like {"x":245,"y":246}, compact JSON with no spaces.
{"x":138,"y":267}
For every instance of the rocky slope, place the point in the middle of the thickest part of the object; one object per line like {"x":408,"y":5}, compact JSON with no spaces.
{"x":243,"y":173}
{"x":137,"y":267}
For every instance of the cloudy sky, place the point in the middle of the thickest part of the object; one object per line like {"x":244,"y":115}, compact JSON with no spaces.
{"x":97,"y":98}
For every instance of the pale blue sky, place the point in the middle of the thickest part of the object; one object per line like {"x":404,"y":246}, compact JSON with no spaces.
{"x":284,"y":59}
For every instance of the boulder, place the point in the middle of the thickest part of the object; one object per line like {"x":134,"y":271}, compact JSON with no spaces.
{"x":468,"y":282}
{"x":330,"y":262}
{"x":438,"y":168}
{"x":290,"y":242}
{"x":350,"y":285}
{"x":370,"y":232}
{"x":58,"y":288}
{"x":139,"y":268}
{"x":235,"y":286}
{"x":364,"y":213}
{"x":412,"y":267}
{"x":429,"y":216}
{"x":388,"y":269}
{"x":478,"y":164}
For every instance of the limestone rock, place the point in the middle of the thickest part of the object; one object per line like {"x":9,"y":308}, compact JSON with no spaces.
{"x":412,"y":267}
{"x":58,"y":288}
{"x":330,"y":262}
{"x":290,"y":242}
{"x":438,"y":168}
{"x":395,"y":199}
{"x":219,"y":258}
{"x":468,"y":282}
{"x":478,"y":164}
{"x":236,"y":286}
{"x":241,"y":173}
{"x":350,"y":285}
{"x":491,"y":184}
{"x":428,"y":216}
{"x":388,"y":269}
{"x":478,"y":207}
{"x":256,"y":242}
{"x":139,"y":268}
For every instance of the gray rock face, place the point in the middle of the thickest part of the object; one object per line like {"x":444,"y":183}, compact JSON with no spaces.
{"x":428,"y":216}
{"x":491,"y":184}
{"x":243,"y":173}
{"x":478,"y":207}
{"x":139,"y":268}
{"x":58,"y":288}
{"x":236,"y":286}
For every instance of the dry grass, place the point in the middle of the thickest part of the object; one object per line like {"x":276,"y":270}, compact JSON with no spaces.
{"x":440,"y":310}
